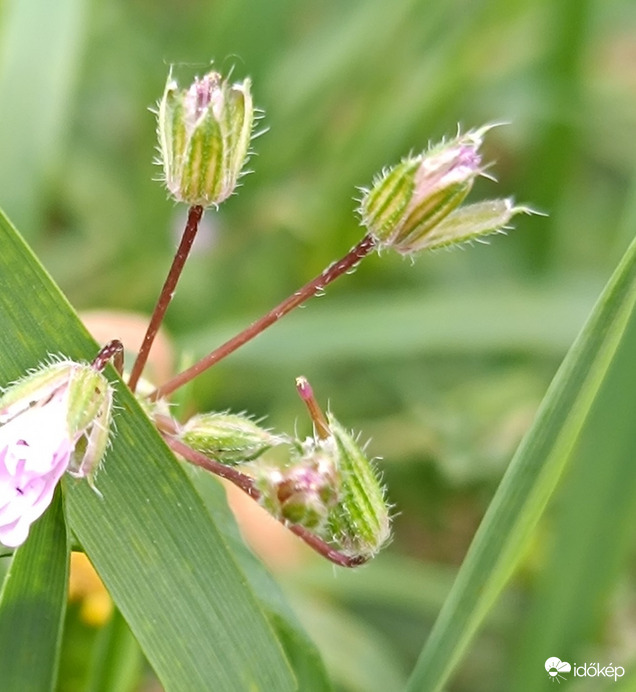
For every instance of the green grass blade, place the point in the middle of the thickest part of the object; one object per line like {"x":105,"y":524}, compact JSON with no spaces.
{"x":117,"y":661}
{"x":532,"y":477}
{"x":150,"y":537}
{"x":592,"y":529}
{"x":32,"y":606}
{"x":300,"y":650}
{"x":36,"y":87}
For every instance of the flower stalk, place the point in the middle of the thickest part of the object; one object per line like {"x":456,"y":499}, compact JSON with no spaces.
{"x":413,"y":206}
{"x":167,"y":292}
{"x":316,"y":414}
{"x":316,"y":285}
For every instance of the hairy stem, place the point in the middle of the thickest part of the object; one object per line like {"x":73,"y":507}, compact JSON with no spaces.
{"x":192,"y":225}
{"x":348,"y":262}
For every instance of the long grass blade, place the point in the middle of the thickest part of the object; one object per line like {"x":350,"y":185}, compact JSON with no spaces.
{"x":149,"y":535}
{"x":532,"y":476}
{"x":33,"y":604}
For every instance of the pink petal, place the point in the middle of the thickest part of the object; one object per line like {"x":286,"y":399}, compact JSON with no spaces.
{"x":14,"y":535}
{"x":35,"y":450}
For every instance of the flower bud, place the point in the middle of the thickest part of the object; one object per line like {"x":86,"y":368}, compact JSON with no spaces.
{"x":204,"y":135}
{"x":55,"y":419}
{"x":332,"y":489}
{"x":228,"y":438}
{"x":360,"y":523}
{"x":302,"y":493}
{"x":469,"y":222}
{"x":415,"y":205}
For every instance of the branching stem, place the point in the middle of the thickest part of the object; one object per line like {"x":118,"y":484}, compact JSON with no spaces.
{"x":348,"y":262}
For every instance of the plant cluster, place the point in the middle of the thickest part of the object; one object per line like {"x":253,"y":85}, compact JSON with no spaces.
{"x":326,"y":490}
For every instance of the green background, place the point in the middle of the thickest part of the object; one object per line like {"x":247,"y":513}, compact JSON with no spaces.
{"x":442,"y":362}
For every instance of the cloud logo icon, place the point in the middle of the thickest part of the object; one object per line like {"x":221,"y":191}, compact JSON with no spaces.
{"x":555,"y":667}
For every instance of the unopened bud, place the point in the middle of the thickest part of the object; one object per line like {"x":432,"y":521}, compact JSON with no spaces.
{"x":360,"y":523}
{"x":204,"y":136}
{"x":415,"y":205}
{"x":332,"y":489}
{"x":303,"y":492}
{"x":470,"y":222}
{"x":228,"y":438}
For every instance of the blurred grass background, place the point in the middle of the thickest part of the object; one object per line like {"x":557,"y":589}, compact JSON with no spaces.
{"x":443,"y":362}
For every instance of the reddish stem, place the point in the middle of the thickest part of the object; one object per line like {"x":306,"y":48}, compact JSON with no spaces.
{"x":349,"y":261}
{"x":306,"y":393}
{"x":324,"y":549}
{"x":112,"y":350}
{"x":192,"y":225}
{"x":246,"y":484}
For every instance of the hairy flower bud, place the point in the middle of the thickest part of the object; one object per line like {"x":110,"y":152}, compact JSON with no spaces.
{"x":360,"y":524}
{"x":469,"y":222}
{"x":228,"y":438}
{"x":55,"y":419}
{"x":415,"y":205}
{"x":302,"y":493}
{"x":204,"y":135}
{"x":332,"y":489}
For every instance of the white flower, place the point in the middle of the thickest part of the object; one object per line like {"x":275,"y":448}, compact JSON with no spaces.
{"x":43,"y":417}
{"x":35,"y":450}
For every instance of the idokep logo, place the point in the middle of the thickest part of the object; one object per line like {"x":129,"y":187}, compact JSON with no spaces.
{"x":556,"y":667}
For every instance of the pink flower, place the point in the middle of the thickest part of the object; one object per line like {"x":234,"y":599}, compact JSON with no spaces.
{"x":43,"y":416}
{"x":35,"y":450}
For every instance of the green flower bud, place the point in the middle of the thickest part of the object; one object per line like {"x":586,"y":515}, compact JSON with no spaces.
{"x":468,"y":223}
{"x":415,"y":205}
{"x":204,"y":135}
{"x":360,"y":523}
{"x":228,"y":438}
{"x":332,"y":489}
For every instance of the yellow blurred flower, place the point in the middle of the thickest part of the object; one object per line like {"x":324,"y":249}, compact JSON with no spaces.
{"x":86,"y":587}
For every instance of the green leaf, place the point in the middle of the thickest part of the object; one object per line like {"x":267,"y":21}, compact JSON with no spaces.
{"x":32,"y":606}
{"x":117,"y":660}
{"x":36,"y":90}
{"x":301,"y":651}
{"x":576,"y":395}
{"x":589,"y":545}
{"x":149,"y":536}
